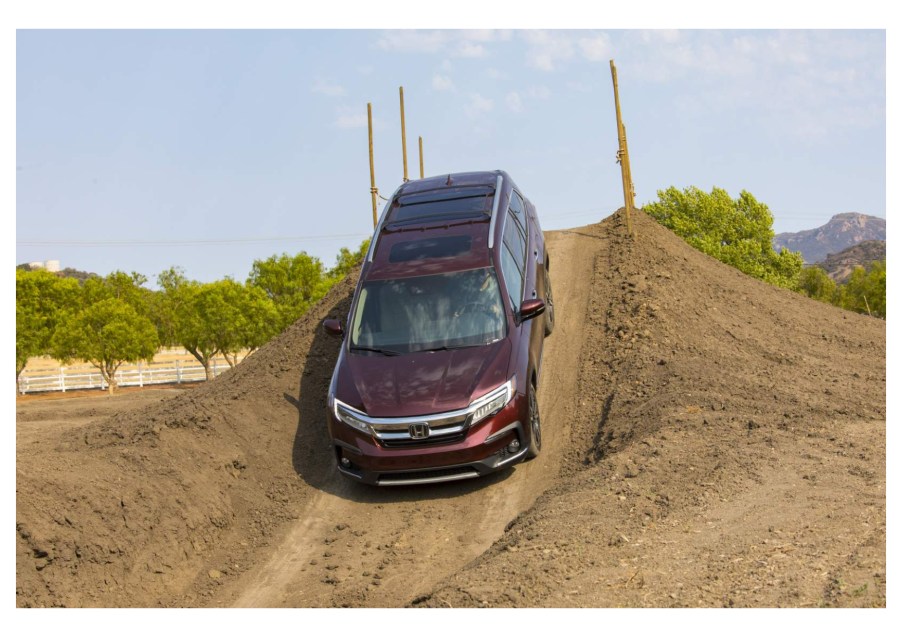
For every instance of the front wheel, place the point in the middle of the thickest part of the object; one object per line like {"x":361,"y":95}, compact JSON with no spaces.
{"x":535,"y":425}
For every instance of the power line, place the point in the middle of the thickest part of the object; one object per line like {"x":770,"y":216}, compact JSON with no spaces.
{"x":116,"y":243}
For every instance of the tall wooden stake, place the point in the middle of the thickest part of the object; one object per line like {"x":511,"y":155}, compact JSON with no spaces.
{"x":373,"y":191}
{"x":422,"y":175}
{"x":403,"y":134}
{"x":623,"y":157}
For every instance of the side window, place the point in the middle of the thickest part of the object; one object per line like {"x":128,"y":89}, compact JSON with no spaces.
{"x":519,"y":210}
{"x":515,"y":241}
{"x":513,"y":277}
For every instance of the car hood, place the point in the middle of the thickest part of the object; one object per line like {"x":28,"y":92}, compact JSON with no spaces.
{"x":426,"y":382}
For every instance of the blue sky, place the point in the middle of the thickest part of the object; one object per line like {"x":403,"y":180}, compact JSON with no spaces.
{"x":141,"y":149}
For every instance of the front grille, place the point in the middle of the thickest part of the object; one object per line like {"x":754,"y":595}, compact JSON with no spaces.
{"x":438,"y":434}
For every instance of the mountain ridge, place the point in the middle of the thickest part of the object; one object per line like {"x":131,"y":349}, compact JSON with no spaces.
{"x":842,"y":231}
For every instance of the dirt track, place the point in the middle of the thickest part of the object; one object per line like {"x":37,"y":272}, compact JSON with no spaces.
{"x":710,"y":441}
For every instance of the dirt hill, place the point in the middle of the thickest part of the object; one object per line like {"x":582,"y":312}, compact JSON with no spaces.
{"x":709,"y":441}
{"x":842,"y":231}
{"x":840,"y":265}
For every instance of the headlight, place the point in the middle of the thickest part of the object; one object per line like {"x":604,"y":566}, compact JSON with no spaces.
{"x":348,"y":416}
{"x":492,"y":402}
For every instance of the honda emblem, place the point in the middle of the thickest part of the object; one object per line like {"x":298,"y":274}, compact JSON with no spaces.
{"x":418,"y":430}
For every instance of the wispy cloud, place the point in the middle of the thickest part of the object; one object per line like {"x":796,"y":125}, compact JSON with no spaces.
{"x":783,"y":76}
{"x":450,"y":42}
{"x":478,"y":105}
{"x":596,"y":48}
{"x":514,"y":102}
{"x":351,"y":120}
{"x":442,"y":83}
{"x":413,"y":41}
{"x":467,"y":49}
{"x":325,"y":88}
{"x":546,"y":49}
{"x":539,"y":92}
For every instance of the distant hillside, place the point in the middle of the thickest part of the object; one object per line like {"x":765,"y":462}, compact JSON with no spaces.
{"x":69,"y":273}
{"x":840,"y":265}
{"x":842,"y":231}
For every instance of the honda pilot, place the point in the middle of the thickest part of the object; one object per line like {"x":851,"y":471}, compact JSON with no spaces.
{"x":441,"y":351}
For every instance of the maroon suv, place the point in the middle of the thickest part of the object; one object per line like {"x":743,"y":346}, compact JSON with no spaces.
{"x":436,"y":379}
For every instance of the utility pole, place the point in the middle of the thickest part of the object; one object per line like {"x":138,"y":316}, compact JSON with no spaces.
{"x":623,"y":157}
{"x":373,"y":190}
{"x":422,"y":175}
{"x":403,"y":134}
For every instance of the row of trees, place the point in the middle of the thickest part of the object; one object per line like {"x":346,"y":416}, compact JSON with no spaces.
{"x":115,"y":319}
{"x":740,"y":233}
{"x":864,"y":292}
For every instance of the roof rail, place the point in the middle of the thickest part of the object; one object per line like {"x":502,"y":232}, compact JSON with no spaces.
{"x":498,"y":181}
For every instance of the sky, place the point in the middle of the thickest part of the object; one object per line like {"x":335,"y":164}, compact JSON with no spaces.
{"x":138,"y":150}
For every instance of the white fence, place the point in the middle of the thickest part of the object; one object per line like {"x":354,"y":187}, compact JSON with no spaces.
{"x":144,"y":374}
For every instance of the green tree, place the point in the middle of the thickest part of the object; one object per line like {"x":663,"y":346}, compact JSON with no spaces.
{"x":865,"y":291}
{"x":237,"y":316}
{"x":119,"y":285}
{"x":193,"y":329}
{"x":41,"y":299}
{"x":259,"y":320}
{"x":817,"y":284}
{"x":347,"y":261}
{"x":165,"y":304}
{"x":106,"y":334}
{"x":293,"y":283}
{"x":207,"y":319}
{"x":738,"y":232}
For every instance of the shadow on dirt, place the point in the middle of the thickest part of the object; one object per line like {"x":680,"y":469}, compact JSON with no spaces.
{"x":312,"y":455}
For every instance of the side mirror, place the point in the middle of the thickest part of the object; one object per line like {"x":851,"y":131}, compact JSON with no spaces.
{"x":333,"y":327}
{"x":531,"y":308}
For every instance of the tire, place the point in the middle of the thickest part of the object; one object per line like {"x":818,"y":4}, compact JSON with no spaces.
{"x":549,"y":305}
{"x":535,"y":425}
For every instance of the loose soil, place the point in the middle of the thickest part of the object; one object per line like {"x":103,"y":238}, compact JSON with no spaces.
{"x":709,"y":441}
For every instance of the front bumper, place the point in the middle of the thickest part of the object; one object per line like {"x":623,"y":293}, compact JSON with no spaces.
{"x":471,"y":458}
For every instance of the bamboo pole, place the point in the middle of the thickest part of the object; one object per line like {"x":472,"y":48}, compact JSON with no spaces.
{"x":422,"y":175}
{"x":403,"y":134}
{"x":623,"y":155}
{"x":373,"y":189}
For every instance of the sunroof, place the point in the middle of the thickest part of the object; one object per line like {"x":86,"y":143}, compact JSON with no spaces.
{"x":449,"y":203}
{"x":433,"y":248}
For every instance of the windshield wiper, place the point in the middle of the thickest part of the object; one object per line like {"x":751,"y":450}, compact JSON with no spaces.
{"x":443,"y":348}
{"x":378,"y":350}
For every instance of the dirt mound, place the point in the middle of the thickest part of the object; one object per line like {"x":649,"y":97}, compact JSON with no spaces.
{"x":729,"y":448}
{"x":708,"y":440}
{"x":157,"y":506}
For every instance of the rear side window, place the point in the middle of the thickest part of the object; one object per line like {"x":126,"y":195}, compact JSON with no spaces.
{"x":515,"y":241}
{"x":513,"y":253}
{"x":518,"y":209}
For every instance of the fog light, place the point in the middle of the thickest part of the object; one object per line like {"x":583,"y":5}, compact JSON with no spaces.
{"x":513,"y":446}
{"x":345,"y":463}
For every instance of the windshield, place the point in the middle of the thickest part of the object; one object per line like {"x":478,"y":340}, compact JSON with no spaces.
{"x":456,"y":309}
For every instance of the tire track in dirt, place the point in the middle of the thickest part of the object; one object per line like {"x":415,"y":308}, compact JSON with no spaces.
{"x":355,"y":545}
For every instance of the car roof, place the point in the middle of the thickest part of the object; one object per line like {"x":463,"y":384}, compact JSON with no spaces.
{"x":433,"y":245}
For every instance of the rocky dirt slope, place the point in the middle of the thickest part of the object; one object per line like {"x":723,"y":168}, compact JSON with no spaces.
{"x":711,"y":441}
{"x":729,"y":449}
